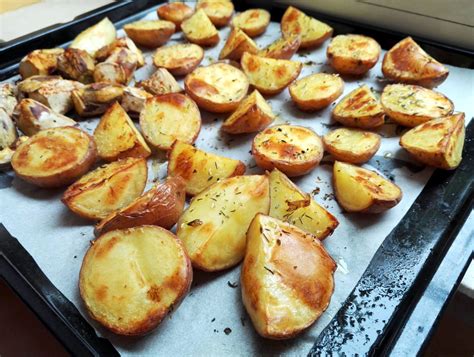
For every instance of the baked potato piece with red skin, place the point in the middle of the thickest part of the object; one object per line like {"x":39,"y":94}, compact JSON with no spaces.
{"x":95,"y":37}
{"x":283,"y":48}
{"x":150,"y":33}
{"x":218,"y":11}
{"x":8,"y":133}
{"x":77,"y":65}
{"x":118,"y":68}
{"x":179,"y":59}
{"x":237,"y":43}
{"x":40,"y":62}
{"x":176,"y":12}
{"x":94,"y":99}
{"x":8,"y":101}
{"x":161,"y":82}
{"x":200,"y":30}
{"x":253,"y":22}
{"x":133,"y":100}
{"x":122,"y":42}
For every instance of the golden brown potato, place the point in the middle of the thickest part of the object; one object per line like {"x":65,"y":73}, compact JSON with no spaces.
{"x":160,"y":206}
{"x":218,"y":88}
{"x":218,"y":11}
{"x":118,"y":68}
{"x":253,"y":22}
{"x":179,"y":59}
{"x":200,"y":169}
{"x":316,"y":91}
{"x":290,"y":204}
{"x":122,"y":42}
{"x":268,"y":75}
{"x":95,"y":37}
{"x":132,"y":278}
{"x":54,"y":157}
{"x":6,"y":154}
{"x":313,"y":32}
{"x":161,"y":82}
{"x":200,"y":30}
{"x":237,"y":43}
{"x":286,"y":279}
{"x":150,"y":33}
{"x":412,"y":105}
{"x":159,"y":124}
{"x":360,"y":108}
{"x":438,"y":142}
{"x":133,"y":100}
{"x":107,"y":188}
{"x":361,"y":190}
{"x":176,"y":12}
{"x":8,"y":133}
{"x":213,"y":227}
{"x":353,"y":54}
{"x":8,"y":99}
{"x":76,"y":64}
{"x":94,"y":99}
{"x":407,"y":62}
{"x":40,"y":62}
{"x":283,"y":48}
{"x":253,"y":114}
{"x":292,"y":149}
{"x":116,"y":136}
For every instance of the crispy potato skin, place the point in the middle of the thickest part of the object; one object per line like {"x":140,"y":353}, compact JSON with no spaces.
{"x":122,"y":42}
{"x":179,"y":59}
{"x":176,"y":12}
{"x":133,"y":100}
{"x":95,"y":37}
{"x":150,"y":33}
{"x":112,"y":267}
{"x":237,"y":43}
{"x":161,"y":82}
{"x":94,"y":99}
{"x":283,"y":48}
{"x":40,"y":62}
{"x":218,"y":11}
{"x":118,"y":68}
{"x":200,"y":30}
{"x":76,"y":64}
{"x":253,"y":22}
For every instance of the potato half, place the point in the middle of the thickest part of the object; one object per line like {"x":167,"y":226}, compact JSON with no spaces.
{"x":287,"y":278}
{"x":107,"y":188}
{"x":213,"y":227}
{"x":40,"y":62}
{"x":150,"y":33}
{"x":361,"y":190}
{"x":76,"y":64}
{"x":253,"y":22}
{"x":295,"y":150}
{"x":176,"y":12}
{"x":269,"y":75}
{"x":316,"y":91}
{"x":288,"y":203}
{"x":313,"y":32}
{"x":94,"y":99}
{"x":132,"y":278}
{"x":159,"y":124}
{"x":237,"y":43}
{"x":407,"y":62}
{"x":54,"y":157}
{"x":218,"y":88}
{"x":133,"y":100}
{"x":122,"y":42}
{"x":95,"y":37}
{"x":200,"y":30}
{"x":283,"y":48}
{"x":179,"y":59}
{"x":118,"y":68}
{"x":6,"y":154}
{"x":360,"y":108}
{"x":200,"y":169}
{"x":437,"y":143}
{"x":412,"y":105}
{"x":218,"y":11}
{"x":161,"y":82}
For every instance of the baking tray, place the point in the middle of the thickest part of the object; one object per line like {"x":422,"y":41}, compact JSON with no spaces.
{"x":375,"y":310}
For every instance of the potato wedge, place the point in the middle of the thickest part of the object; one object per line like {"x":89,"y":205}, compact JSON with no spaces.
{"x":118,"y":68}
{"x":237,"y":43}
{"x":407,"y":62}
{"x":76,"y":64}
{"x":253,"y":22}
{"x":412,"y":105}
{"x":133,"y":100}
{"x":268,"y":75}
{"x":32,"y":116}
{"x":132,"y":278}
{"x":218,"y":88}
{"x":361,"y":190}
{"x":360,"y":108}
{"x":95,"y":37}
{"x":6,"y":154}
{"x":199,"y":29}
{"x":313,"y":32}
{"x":316,"y":91}
{"x":161,"y":82}
{"x":288,"y":203}
{"x":158,"y":120}
{"x":253,"y":114}
{"x":8,"y":133}
{"x":179,"y":59}
{"x":292,"y":149}
{"x":107,"y":188}
{"x":8,"y":99}
{"x":353,"y":54}
{"x":54,"y":157}
{"x":122,"y":42}
{"x":94,"y":99}
{"x":283,"y":48}
{"x":286,"y":279}
{"x":116,"y":136}
{"x":150,"y":33}
{"x":218,"y":11}
{"x":200,"y":169}
{"x":437,"y":143}
{"x":40,"y":62}
{"x":160,"y":206}
{"x":176,"y":12}
{"x":351,"y":145}
{"x":213,"y":227}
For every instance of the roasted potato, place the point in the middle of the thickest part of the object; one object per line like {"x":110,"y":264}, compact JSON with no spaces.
{"x":8,"y":99}
{"x":161,"y":82}
{"x":253,"y":22}
{"x":116,"y":136}
{"x":200,"y":169}
{"x":133,"y":100}
{"x":218,"y":11}
{"x":176,"y":12}
{"x":283,"y":48}
{"x":95,"y":37}
{"x":286,"y":279}
{"x":316,"y":91}
{"x":292,"y":149}
{"x":40,"y":62}
{"x":32,"y":116}
{"x":351,"y":145}
{"x":160,"y":206}
{"x":8,"y":133}
{"x":360,"y":108}
{"x":361,"y":190}
{"x":159,"y":124}
{"x":122,"y":42}
{"x":412,"y":105}
{"x":213,"y":227}
{"x":312,"y":32}
{"x":150,"y":33}
{"x":200,"y":30}
{"x":253,"y":114}
{"x":407,"y":62}
{"x":118,"y":68}
{"x":237,"y":43}
{"x":179,"y":59}
{"x":217,"y":88}
{"x":288,"y":203}
{"x":76,"y":64}
{"x":132,"y":278}
{"x":94,"y":99}
{"x":438,"y":142}
{"x":268,"y":75}
{"x":6,"y":154}
{"x":107,"y":188}
{"x":54,"y":157}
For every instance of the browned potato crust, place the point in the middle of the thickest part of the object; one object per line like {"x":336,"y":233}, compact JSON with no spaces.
{"x":8,"y":99}
{"x":150,"y":33}
{"x":199,"y":29}
{"x":161,"y":82}
{"x":122,"y":42}
{"x":8,"y":133}
{"x":133,"y":100}
{"x":253,"y":22}
{"x":176,"y":12}
{"x":283,"y":48}
{"x":76,"y":64}
{"x":6,"y":154}
{"x":237,"y":43}
{"x":95,"y":37}
{"x":118,"y":68}
{"x":94,"y":99}
{"x":218,"y":11}
{"x":179,"y":59}
{"x":40,"y":62}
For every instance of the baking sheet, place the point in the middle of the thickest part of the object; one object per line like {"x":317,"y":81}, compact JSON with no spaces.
{"x":57,"y":239}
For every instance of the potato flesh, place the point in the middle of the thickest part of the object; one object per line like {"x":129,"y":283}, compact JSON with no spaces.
{"x":317,"y":86}
{"x":180,"y":55}
{"x":8,"y":99}
{"x":283,"y":48}
{"x":175,"y":12}
{"x":353,"y":142}
{"x":161,"y":82}
{"x":198,"y":27}
{"x":95,"y":37}
{"x":253,"y":22}
{"x":133,"y":100}
{"x":8,"y":133}
{"x":354,"y":47}
{"x":237,"y":43}
{"x":40,"y":62}
{"x":218,"y":11}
